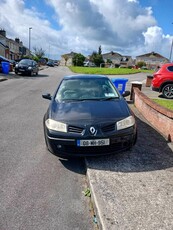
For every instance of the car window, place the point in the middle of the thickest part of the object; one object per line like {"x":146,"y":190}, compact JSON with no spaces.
{"x":170,"y":68}
{"x":26,"y":62}
{"x":86,"y":89}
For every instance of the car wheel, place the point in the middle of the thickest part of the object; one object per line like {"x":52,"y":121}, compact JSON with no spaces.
{"x":16,"y":72}
{"x":31,"y":73}
{"x":167,"y":91}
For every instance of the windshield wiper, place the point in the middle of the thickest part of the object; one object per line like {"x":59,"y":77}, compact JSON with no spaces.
{"x":109,"y":98}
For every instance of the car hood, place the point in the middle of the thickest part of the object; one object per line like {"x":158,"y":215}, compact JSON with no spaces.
{"x":94,"y":111}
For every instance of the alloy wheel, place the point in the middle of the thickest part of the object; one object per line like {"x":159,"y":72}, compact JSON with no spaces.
{"x":167,"y":91}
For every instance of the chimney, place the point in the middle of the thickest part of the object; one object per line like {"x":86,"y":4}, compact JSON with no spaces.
{"x":17,"y":40}
{"x":3,"y":32}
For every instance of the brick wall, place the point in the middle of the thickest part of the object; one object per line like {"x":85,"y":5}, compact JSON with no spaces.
{"x":159,"y":117}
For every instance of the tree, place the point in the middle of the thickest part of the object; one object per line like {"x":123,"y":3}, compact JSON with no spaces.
{"x":97,"y":58}
{"x":66,"y":57}
{"x":141,"y":63}
{"x":100,"y":50}
{"x":78,"y":59}
{"x":39,"y":52}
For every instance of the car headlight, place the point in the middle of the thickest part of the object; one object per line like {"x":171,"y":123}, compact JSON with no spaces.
{"x":126,"y":123}
{"x":56,"y":126}
{"x":30,"y":68}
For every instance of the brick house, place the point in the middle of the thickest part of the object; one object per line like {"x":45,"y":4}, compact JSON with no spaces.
{"x":152,"y":59}
{"x":11,"y":49}
{"x":118,"y":59}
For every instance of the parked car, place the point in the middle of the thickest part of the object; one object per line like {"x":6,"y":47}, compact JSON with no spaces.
{"x":27,"y":66}
{"x":87,"y":116}
{"x":163,"y":80}
{"x":89,"y":64}
{"x":50,"y":63}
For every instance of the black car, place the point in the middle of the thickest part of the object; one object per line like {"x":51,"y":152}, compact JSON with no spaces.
{"x":50,"y":63}
{"x":27,"y":66}
{"x":87,"y":116}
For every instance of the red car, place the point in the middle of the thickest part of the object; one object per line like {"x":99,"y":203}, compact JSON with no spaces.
{"x":163,"y":80}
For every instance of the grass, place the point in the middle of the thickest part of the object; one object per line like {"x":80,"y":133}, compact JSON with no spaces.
{"x":165,"y":103}
{"x":105,"y":71}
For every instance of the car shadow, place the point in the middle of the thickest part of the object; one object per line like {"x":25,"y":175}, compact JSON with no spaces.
{"x":150,"y":153}
{"x":76,"y":165}
{"x":22,"y":76}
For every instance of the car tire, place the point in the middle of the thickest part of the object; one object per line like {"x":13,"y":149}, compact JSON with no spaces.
{"x":16,"y":72}
{"x":167,"y":91}
{"x":31,"y":73}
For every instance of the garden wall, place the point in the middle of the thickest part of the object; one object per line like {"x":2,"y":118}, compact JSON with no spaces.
{"x":159,"y":117}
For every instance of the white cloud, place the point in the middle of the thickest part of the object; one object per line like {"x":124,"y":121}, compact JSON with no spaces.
{"x":156,"y":40}
{"x":120,"y":25}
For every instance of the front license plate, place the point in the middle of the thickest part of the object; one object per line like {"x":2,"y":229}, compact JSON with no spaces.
{"x":95,"y":142}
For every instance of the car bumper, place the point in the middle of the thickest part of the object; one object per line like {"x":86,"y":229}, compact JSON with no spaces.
{"x":155,"y":89}
{"x":62,"y":146}
{"x":23,"y":71}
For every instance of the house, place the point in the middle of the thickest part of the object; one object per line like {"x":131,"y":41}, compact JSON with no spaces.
{"x":126,"y":61}
{"x":11,"y":49}
{"x":152,"y":59}
{"x":117,"y":59}
{"x":67,"y":59}
{"x":2,"y":49}
{"x":113,"y":57}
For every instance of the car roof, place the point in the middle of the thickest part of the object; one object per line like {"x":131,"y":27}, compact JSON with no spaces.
{"x":85,"y":76}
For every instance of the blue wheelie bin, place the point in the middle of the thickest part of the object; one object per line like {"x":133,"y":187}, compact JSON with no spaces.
{"x":5,"y":67}
{"x":120,"y":84}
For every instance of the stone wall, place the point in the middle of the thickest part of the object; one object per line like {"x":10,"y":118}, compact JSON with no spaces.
{"x":159,"y":117}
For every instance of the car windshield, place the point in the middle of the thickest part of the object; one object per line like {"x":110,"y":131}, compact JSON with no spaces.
{"x":26,"y":62}
{"x":86,"y":89}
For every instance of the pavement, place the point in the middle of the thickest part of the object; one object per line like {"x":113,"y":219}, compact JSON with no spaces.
{"x":133,"y":190}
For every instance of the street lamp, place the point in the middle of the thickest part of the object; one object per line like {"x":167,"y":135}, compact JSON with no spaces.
{"x":30,"y":28}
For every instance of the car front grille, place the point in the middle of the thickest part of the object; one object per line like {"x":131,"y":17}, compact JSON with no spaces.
{"x":75,"y":129}
{"x":108,"y":128}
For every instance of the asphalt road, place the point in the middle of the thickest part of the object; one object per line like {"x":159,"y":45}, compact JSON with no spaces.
{"x":38,"y":191}
{"x":132,"y":190}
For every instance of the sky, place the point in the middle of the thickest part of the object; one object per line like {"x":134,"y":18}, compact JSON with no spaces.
{"x":128,"y":27}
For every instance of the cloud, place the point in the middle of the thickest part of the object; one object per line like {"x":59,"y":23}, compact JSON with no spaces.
{"x":156,"y":40}
{"x":120,"y":25}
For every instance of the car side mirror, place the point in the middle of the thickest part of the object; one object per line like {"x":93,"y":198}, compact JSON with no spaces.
{"x":126,"y":94}
{"x":47,"y":96}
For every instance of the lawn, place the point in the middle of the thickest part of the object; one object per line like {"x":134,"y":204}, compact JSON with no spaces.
{"x":106,"y":71}
{"x":165,"y":103}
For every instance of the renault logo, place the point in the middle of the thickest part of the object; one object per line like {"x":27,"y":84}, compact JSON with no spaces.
{"x":93,"y":130}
